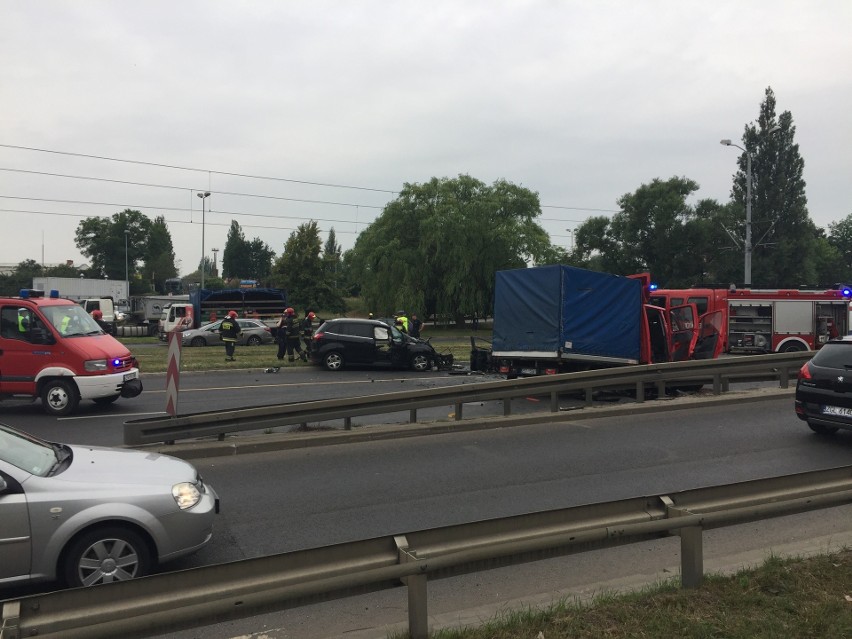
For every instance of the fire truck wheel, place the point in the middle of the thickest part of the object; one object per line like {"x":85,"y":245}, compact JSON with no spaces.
{"x":59,"y":397}
{"x":793,"y":347}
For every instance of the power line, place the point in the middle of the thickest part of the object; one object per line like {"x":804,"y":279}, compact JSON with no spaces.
{"x":186,"y":168}
{"x":171,"y":208}
{"x":186,"y":188}
{"x":258,"y":177}
{"x":248,"y":226}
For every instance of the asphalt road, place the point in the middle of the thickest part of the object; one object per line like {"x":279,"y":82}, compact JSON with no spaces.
{"x":295,"y":499}
{"x":220,"y":390}
{"x":289,"y":500}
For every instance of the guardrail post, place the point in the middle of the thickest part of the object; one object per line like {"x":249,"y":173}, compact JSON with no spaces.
{"x":589,"y":394}
{"x":717,"y":384}
{"x":418,"y":618}
{"x":458,"y":411}
{"x":785,"y":377}
{"x":691,"y":556}
{"x":347,"y":423}
{"x":691,"y":547}
{"x":11,"y":616}
{"x":412,"y":416}
{"x":640,"y":392}
{"x":554,"y":402}
{"x":507,"y":406}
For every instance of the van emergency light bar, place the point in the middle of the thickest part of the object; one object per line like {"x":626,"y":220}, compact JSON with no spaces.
{"x":26,"y":293}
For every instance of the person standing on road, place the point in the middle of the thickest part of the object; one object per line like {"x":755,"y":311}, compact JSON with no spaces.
{"x":230,"y":331}
{"x":288,"y":336}
{"x":307,"y":327}
{"x":414,"y":326}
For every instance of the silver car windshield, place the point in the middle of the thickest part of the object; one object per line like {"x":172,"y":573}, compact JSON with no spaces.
{"x":27,"y":453}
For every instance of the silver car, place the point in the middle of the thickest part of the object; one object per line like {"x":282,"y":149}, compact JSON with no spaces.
{"x":87,"y":515}
{"x":254,"y":332}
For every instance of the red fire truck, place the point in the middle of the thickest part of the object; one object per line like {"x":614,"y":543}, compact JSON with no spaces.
{"x":765,"y":321}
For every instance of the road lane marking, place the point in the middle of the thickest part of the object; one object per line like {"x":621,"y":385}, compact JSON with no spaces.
{"x":221,"y":388}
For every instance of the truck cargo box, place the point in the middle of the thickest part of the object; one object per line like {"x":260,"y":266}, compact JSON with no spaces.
{"x":566,"y":312}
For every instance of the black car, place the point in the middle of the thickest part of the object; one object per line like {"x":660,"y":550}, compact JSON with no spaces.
{"x":824,"y":388}
{"x":363,"y":342}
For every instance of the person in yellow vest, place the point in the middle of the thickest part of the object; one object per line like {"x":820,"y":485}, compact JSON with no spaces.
{"x":401,"y":320}
{"x":23,"y":320}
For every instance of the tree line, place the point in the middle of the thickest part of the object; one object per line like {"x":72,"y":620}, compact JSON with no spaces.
{"x":435,"y":248}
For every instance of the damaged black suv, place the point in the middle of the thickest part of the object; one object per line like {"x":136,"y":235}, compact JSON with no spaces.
{"x":360,"y":342}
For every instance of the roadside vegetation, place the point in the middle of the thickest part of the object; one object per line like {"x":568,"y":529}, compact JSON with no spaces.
{"x":797,"y":597}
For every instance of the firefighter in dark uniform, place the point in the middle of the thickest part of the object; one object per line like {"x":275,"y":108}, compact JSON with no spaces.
{"x":288,"y":337}
{"x":308,"y":331}
{"x":230,"y":331}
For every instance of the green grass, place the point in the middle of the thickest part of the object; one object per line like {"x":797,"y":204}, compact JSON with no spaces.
{"x":783,"y":598}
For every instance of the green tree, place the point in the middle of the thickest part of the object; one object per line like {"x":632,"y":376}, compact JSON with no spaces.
{"x":331,"y":261}
{"x":836,"y":259}
{"x":299,"y":271}
{"x":436,"y":247}
{"x":159,"y":258}
{"x":656,"y":231}
{"x":260,"y":256}
{"x":20,"y":277}
{"x":62,"y":270}
{"x":784,"y":237}
{"x":236,"y":257}
{"x":102,"y":240}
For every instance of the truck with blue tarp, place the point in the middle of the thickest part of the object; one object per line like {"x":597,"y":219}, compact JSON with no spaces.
{"x":558,"y":318}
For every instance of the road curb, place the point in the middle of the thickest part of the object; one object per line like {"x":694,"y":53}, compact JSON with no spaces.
{"x":270,"y":442}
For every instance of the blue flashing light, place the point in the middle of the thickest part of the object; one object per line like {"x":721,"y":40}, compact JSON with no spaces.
{"x":24,"y":293}
{"x":54,"y":294}
{"x":846,"y":292}
{"x":116,"y":363}
{"x":653,"y":287}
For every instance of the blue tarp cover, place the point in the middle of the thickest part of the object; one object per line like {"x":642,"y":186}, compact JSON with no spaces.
{"x":553,"y":309}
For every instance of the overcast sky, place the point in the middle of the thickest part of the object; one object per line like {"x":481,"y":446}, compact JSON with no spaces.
{"x":581,"y":102}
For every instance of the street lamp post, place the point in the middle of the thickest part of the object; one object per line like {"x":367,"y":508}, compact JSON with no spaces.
{"x":747,"y":266}
{"x":203,"y":197}
{"x":215,"y":254}
{"x":126,"y":269}
{"x":748,"y":247}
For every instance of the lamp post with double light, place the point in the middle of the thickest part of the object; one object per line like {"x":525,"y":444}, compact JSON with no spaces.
{"x":203,"y":197}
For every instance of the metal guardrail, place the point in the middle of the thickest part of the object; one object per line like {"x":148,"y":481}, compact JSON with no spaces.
{"x":719,"y":372}
{"x":211,"y":594}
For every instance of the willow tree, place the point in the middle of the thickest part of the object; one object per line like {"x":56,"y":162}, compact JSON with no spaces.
{"x":436,"y":247}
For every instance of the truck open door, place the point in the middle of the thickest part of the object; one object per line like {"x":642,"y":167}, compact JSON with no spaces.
{"x":684,"y":331}
{"x":710,"y":336}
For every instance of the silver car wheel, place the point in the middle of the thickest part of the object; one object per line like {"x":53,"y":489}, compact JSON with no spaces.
{"x":420,"y":363}
{"x":106,"y":556}
{"x":333,"y":361}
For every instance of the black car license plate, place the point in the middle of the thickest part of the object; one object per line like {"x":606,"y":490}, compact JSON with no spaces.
{"x":837,"y":411}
